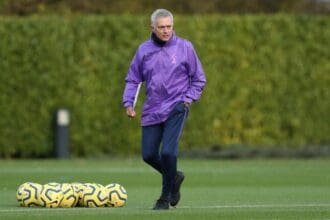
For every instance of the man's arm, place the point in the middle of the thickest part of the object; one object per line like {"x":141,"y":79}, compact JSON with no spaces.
{"x":197,"y":76}
{"x":133,"y":83}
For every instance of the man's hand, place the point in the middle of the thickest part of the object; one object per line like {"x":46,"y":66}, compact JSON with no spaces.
{"x":130,"y":112}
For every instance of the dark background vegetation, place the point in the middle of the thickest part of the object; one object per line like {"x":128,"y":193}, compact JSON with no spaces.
{"x":26,"y":7}
{"x":268,"y":76}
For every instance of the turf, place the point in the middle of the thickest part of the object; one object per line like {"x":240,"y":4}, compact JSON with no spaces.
{"x":213,"y":189}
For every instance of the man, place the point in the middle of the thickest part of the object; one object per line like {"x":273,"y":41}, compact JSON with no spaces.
{"x":174,"y":79}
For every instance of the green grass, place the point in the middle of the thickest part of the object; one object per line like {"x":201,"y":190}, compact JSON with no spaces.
{"x":213,"y":189}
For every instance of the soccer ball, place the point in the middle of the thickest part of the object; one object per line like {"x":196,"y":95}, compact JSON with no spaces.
{"x":94,"y":195}
{"x":117,"y":195}
{"x":70,"y":196}
{"x":79,"y":189}
{"x":28,"y":194}
{"x":51,"y":195}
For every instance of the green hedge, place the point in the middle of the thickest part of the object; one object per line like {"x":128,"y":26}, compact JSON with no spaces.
{"x":268,"y":81}
{"x":45,"y":7}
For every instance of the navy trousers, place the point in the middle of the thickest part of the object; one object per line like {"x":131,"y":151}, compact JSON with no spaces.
{"x":163,"y":157}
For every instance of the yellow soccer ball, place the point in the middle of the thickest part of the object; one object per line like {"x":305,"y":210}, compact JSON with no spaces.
{"x":79,"y":189}
{"x":51,"y":195}
{"x":94,"y":195}
{"x":117,"y":195}
{"x":70,"y":197}
{"x":28,"y":194}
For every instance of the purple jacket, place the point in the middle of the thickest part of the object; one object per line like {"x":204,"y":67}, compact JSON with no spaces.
{"x":172,"y":73}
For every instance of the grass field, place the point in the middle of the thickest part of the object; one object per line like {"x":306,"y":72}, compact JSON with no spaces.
{"x":213,"y":189}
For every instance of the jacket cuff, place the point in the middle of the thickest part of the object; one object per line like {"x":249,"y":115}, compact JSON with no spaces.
{"x":188,"y":100}
{"x":127,"y":104}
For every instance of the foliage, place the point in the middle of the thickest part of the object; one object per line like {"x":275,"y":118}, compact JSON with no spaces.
{"x":268,"y":81}
{"x":28,"y":7}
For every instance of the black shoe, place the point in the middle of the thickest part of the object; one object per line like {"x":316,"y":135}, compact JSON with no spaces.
{"x":161,"y":204}
{"x":175,"y":194}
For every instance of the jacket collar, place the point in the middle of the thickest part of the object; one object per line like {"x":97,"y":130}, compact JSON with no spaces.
{"x":161,"y":43}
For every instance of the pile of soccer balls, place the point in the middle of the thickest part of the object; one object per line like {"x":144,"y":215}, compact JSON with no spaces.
{"x":66,"y":195}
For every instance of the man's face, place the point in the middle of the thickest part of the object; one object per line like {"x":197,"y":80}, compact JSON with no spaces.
{"x":163,"y":28}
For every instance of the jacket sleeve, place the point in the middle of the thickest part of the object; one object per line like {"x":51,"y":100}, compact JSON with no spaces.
{"x":132,"y":80}
{"x":196,"y":75}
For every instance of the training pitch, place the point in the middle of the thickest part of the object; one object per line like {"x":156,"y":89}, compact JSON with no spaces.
{"x":213,"y":189}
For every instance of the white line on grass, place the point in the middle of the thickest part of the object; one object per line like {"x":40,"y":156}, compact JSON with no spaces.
{"x":257,"y":206}
{"x":244,"y":206}
{"x":95,"y":169}
{"x":75,"y":170}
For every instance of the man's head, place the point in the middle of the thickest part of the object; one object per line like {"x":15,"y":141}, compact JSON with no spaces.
{"x":162,"y":24}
